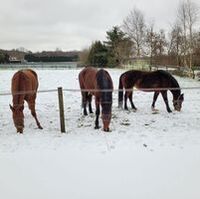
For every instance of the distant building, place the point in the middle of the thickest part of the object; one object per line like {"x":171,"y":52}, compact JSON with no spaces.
{"x":14,"y":60}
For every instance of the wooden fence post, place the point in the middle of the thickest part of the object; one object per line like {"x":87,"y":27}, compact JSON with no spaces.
{"x":61,"y":109}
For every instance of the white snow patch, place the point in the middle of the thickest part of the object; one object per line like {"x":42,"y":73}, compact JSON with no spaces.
{"x":145,"y":156}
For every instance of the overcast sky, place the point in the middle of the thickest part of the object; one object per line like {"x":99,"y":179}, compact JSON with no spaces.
{"x":72,"y":24}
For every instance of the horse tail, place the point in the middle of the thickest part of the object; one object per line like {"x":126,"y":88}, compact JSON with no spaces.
{"x":81,"y":84}
{"x":84,"y":94}
{"x":120,"y":93}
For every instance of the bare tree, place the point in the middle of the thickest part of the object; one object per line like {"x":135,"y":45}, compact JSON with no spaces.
{"x":150,"y":38}
{"x":196,"y":53}
{"x":192,"y":16}
{"x":83,"y":56}
{"x":124,"y":50}
{"x":175,"y":43}
{"x":187,"y":17}
{"x":161,"y":42}
{"x":182,"y":18}
{"x":159,"y":47}
{"x":134,"y":26}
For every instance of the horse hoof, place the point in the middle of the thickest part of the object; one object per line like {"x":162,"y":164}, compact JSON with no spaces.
{"x":107,"y":130}
{"x":96,"y":127}
{"x":154,"y":109}
{"x":40,"y":127}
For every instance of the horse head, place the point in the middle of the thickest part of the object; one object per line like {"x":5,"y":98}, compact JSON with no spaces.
{"x":106,"y":115}
{"x":178,"y":102}
{"x":18,"y":117}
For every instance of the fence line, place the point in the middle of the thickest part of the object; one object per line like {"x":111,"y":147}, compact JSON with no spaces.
{"x":97,"y":90}
{"x":28,"y":92}
{"x":135,"y":100}
{"x":61,"y":101}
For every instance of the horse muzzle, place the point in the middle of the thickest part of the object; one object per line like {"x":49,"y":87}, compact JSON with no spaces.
{"x":106,"y":121}
{"x":106,"y":124}
{"x":20,"y":129}
{"x":177,"y":109}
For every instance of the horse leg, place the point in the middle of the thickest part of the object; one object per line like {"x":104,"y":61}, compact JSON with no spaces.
{"x":97,"y":113}
{"x":84,"y":102}
{"x":155,"y":96}
{"x":31,"y":105}
{"x":90,"y":103}
{"x":131,"y":100}
{"x":125,"y":100}
{"x":164,"y":95}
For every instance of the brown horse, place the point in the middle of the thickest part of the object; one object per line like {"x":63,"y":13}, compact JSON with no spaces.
{"x":24,"y":87}
{"x":93,"y":82}
{"x":157,"y":81}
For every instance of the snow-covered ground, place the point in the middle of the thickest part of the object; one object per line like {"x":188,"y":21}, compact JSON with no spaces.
{"x":145,"y":156}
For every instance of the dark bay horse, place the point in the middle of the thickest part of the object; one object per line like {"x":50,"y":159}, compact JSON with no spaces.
{"x":157,"y":81}
{"x":93,"y":82}
{"x":24,"y":87}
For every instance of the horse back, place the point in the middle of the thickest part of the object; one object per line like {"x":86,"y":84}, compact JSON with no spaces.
{"x":33,"y":72}
{"x":87,"y":78}
{"x":131,"y":78}
{"x":148,"y":79}
{"x":24,"y":80}
{"x":32,"y":79}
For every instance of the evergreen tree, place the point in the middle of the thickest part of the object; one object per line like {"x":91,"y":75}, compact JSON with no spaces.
{"x":98,"y":54}
{"x":119,"y":46}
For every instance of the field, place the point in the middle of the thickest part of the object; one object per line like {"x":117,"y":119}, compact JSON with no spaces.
{"x":145,"y":155}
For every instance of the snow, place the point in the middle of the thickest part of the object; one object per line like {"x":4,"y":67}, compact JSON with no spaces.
{"x":145,"y":155}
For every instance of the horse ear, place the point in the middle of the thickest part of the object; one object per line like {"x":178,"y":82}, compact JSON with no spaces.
{"x":11,"y":108}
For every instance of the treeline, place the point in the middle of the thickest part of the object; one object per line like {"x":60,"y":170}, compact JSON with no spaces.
{"x":4,"y":57}
{"x":21,"y":55}
{"x":52,"y":57}
{"x":179,"y":46}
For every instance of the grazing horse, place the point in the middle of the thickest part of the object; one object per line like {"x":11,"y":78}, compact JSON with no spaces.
{"x":24,"y":87}
{"x":93,"y":82}
{"x":157,"y":81}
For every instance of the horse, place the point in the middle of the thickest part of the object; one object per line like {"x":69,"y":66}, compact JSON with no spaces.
{"x":153,"y":81}
{"x":93,"y":82}
{"x":24,"y":88}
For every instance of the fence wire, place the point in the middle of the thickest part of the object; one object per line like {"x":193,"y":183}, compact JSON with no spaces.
{"x":98,"y":90}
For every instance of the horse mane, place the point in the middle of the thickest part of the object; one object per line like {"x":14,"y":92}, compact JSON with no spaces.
{"x":104,"y":81}
{"x":174,"y":83}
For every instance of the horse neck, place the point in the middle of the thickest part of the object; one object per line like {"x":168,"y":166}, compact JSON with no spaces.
{"x":18,"y":89}
{"x":177,"y":91}
{"x":104,"y":81}
{"x":106,"y":102}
